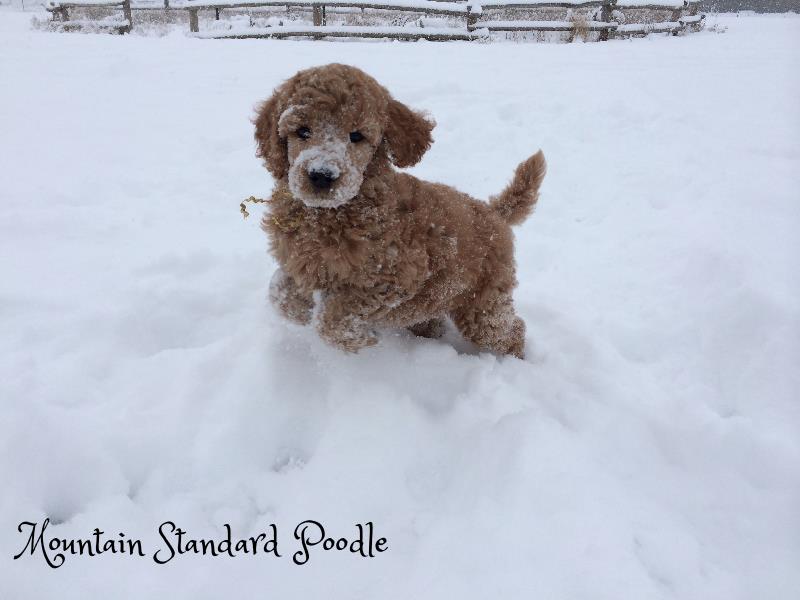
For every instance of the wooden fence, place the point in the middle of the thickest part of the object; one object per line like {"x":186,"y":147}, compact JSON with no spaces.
{"x":60,"y":18}
{"x":466,"y":21}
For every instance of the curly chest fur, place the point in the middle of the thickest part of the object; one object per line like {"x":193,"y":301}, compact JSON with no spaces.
{"x":363,"y":246}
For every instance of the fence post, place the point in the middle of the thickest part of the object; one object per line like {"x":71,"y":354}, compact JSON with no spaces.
{"x":194,"y":25}
{"x":126,"y":10}
{"x":472,"y":18}
{"x":693,"y":8}
{"x":316,"y":12}
{"x":605,"y":16}
{"x":676,"y":16}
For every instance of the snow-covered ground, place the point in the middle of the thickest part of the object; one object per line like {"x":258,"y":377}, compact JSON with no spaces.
{"x":648,"y":447}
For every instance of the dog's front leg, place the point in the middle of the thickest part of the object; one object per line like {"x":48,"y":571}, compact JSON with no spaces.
{"x":344,"y":321}
{"x":287,"y":298}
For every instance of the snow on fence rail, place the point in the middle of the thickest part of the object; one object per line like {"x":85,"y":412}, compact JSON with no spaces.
{"x":467,"y":20}
{"x":60,"y":20}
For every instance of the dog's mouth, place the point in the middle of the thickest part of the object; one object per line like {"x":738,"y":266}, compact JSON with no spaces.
{"x":329,"y":199}
{"x":321,"y":178}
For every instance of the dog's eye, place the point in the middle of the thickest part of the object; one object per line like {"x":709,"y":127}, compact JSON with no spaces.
{"x":355,"y":136}
{"x":304,"y":132}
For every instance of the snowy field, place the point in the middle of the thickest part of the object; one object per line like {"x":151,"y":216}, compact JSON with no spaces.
{"x":648,"y":447}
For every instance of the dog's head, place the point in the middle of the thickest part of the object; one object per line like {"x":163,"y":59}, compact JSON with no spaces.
{"x":325,"y":127}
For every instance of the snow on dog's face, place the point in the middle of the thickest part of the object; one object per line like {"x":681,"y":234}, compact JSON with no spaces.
{"x":328,"y":128}
{"x":327,"y":153}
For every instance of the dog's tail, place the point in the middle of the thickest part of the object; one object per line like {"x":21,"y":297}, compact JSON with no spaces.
{"x":516,"y":202}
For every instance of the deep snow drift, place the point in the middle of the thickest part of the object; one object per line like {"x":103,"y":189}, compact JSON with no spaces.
{"x":649,"y":447}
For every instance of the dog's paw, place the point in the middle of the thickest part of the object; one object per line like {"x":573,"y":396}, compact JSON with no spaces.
{"x":433,"y":329}
{"x":351,"y":341}
{"x":287,"y":299}
{"x":350,"y":334}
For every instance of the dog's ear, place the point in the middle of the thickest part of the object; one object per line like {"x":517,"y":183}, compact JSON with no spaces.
{"x":408,"y":134}
{"x":270,"y":145}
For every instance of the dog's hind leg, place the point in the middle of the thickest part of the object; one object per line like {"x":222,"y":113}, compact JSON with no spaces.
{"x":492,"y":325}
{"x":432,"y":328}
{"x":287,"y":298}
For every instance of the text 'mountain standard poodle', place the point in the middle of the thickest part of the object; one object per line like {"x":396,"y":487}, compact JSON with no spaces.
{"x":362,"y":246}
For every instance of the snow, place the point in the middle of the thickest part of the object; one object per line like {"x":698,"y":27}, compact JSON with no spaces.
{"x":659,"y":3}
{"x":692,"y":18}
{"x":648,"y":447}
{"x":335,"y":31}
{"x":51,"y":4}
{"x":587,"y":3}
{"x":286,"y":114}
{"x":111,"y":21}
{"x":648,"y":27}
{"x":451,"y":7}
{"x":543,"y":25}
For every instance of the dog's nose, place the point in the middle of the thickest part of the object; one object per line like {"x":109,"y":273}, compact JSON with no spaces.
{"x":321,"y":179}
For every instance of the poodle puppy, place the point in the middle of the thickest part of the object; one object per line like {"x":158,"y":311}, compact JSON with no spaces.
{"x":362,"y":246}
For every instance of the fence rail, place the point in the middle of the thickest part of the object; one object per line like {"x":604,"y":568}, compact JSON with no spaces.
{"x":474,"y":21}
